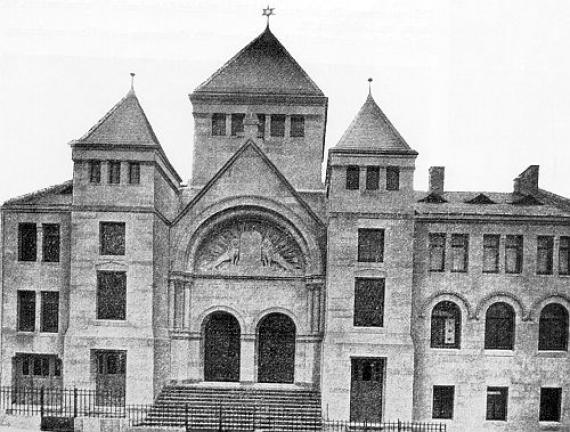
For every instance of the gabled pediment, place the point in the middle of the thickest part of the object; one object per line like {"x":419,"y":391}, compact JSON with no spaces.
{"x":433,"y":198}
{"x":480,"y":199}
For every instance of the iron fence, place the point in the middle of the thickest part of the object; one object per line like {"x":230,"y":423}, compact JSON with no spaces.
{"x":391,"y":426}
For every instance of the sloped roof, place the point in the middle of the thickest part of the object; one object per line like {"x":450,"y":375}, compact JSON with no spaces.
{"x":126,"y":123}
{"x":263,"y":66}
{"x":371,"y":130}
{"x":57,"y":194}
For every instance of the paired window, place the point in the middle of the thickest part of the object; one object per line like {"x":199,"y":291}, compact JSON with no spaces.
{"x":392,"y":178}
{"x":513,"y":253}
{"x":218,"y":124}
{"x":352,"y":177}
{"x":237,"y":124}
{"x":437,"y":252}
{"x":500,"y":327}
{"x":95,"y":172}
{"x":50,"y":244}
{"x":49,"y":317}
{"x":544,"y":254}
{"x":564,"y":256}
{"x":134,"y":172}
{"x":372,"y":177}
{"x":27,"y":242}
{"x":445,"y":325}
{"x":297,"y":126}
{"x":369,"y":302}
{"x":491,"y":253}
{"x":26,"y":320}
{"x":114,"y":172}
{"x":277,"y":125}
{"x":550,"y":404}
{"x":459,"y":252}
{"x":442,"y":406}
{"x":370,"y":245}
{"x":111,"y":295}
{"x":49,"y":313}
{"x":497,"y":399}
{"x":112,"y":238}
{"x":553,"y":328}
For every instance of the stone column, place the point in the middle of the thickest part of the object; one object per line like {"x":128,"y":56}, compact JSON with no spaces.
{"x":247,"y":359}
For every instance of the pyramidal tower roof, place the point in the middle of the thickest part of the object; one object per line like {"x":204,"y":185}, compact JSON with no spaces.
{"x":263,"y":66}
{"x":124,"y":124}
{"x":371,"y":131}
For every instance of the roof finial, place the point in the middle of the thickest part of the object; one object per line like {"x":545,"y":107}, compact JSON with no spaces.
{"x":267,"y":12}
{"x":133,"y":81}
{"x":369,"y":86}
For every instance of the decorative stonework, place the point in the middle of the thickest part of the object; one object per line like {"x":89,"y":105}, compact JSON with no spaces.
{"x":249,"y":247}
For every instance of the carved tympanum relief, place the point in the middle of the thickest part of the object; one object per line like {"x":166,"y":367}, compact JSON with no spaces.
{"x":249,"y":247}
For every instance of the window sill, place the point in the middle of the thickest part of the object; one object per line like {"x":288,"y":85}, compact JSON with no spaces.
{"x":498,"y":422}
{"x":110,"y":323}
{"x":499,"y":353}
{"x":552,"y":354}
{"x":442,"y":350}
{"x":549,"y":425}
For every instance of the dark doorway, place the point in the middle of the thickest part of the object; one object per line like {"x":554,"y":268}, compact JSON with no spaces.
{"x":221,"y":347}
{"x":276,"y":349}
{"x":367,"y":381}
{"x":32,"y":372}
{"x":110,"y":380}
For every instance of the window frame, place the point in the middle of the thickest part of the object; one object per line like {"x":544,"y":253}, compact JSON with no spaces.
{"x":443,"y":400}
{"x":134,"y":173}
{"x":297,"y":131}
{"x":370,"y":315}
{"x":461,"y":246}
{"x":49,"y":314}
{"x":32,"y":255}
{"x":261,"y":119}
{"x":104,"y":249}
{"x":564,"y":255}
{"x":103,"y":310}
{"x":31,"y":327}
{"x":114,"y":172}
{"x":367,"y":253}
{"x":372,"y":177}
{"x":46,"y":253}
{"x":237,"y":128}
{"x":514,"y":242}
{"x":489,"y":248}
{"x":547,"y":327}
{"x":432,"y":247}
{"x":392,"y":178}
{"x":94,"y":171}
{"x":275,"y":128}
{"x":445,"y":310}
{"x":497,"y":338}
{"x":549,"y":250}
{"x":546,"y":405}
{"x":218,"y":126}
{"x":352,"y":177}
{"x":497,"y":406}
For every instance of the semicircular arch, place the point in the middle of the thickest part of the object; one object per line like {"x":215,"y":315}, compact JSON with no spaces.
{"x":458,"y":299}
{"x":544,"y":301}
{"x":510,"y":299}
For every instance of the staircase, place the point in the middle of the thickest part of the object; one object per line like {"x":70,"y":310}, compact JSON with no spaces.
{"x":236,"y":409}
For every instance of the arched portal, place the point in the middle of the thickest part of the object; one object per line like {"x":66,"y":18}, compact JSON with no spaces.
{"x":221,"y":347}
{"x":276,"y":349}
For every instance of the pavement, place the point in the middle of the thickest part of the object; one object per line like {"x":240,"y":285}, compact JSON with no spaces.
{"x":16,"y":429}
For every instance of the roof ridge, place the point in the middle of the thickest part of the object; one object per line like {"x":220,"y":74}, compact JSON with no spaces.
{"x":40,"y":192}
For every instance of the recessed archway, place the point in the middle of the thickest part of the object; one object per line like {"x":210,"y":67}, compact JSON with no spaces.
{"x":276,"y":349}
{"x":221,"y":347}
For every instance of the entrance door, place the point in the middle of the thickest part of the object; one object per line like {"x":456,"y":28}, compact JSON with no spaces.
{"x":221,"y":347}
{"x":32,"y":372}
{"x":367,"y":380}
{"x":276,"y":349}
{"x":110,"y":380}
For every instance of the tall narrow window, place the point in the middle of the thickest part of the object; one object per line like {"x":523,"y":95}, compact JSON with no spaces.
{"x":111,"y":295}
{"x":372,"y":177}
{"x":370,"y":245}
{"x":260,"y":125}
{"x":95,"y":172}
{"x":297,"y":126}
{"x":114,"y":172}
{"x":237,"y":124}
{"x":436,"y":252}
{"x":445,"y":325}
{"x":491,"y":253}
{"x":392,"y":178}
{"x":27,"y":242}
{"x":26,"y":311}
{"x":442,"y":407}
{"x":544,"y":254}
{"x":553,"y":328}
{"x":497,"y":399}
{"x":134,"y":172}
{"x":218,"y":124}
{"x":500,"y":327}
{"x":564,"y":256}
{"x":50,"y":242}
{"x":459,"y":252}
{"x":277,"y":125}
{"x":49,"y":318}
{"x":369,"y":303}
{"x":550,"y":404}
{"x":352,"y":177}
{"x":112,"y":238}
{"x":513,"y":253}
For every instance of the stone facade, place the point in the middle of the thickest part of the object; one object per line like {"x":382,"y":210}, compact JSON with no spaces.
{"x":258,"y":246}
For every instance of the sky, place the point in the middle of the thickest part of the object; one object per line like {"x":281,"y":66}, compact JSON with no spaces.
{"x":481,"y":87}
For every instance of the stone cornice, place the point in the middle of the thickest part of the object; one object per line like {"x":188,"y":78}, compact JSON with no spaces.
{"x":243,"y":98}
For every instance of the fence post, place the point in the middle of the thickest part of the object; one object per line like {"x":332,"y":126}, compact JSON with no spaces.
{"x":220,"y":420}
{"x":399,"y":426}
{"x":42,"y":402}
{"x":74,"y":402}
{"x":186,"y":418}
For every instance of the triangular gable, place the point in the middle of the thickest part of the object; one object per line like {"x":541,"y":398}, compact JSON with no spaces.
{"x":263,"y":66}
{"x":481,"y":199}
{"x":57,"y":194}
{"x":249,"y":146}
{"x":433,"y":198}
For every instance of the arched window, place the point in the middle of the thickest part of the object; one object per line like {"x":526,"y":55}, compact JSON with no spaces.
{"x":500,"y":327}
{"x":553,"y":328}
{"x":445,"y":325}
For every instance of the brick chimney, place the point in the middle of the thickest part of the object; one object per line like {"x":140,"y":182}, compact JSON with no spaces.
{"x":436,"y":178}
{"x":527,"y":181}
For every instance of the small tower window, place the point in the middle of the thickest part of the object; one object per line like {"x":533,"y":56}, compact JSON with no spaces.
{"x":564,"y":256}
{"x":218,"y":124}
{"x":392,"y":178}
{"x":352,"y":177}
{"x":260,"y":125}
{"x":237,"y":124}
{"x":372,"y":177}
{"x":95,"y":172}
{"x":50,"y":242}
{"x":277,"y":125}
{"x":114,"y":172}
{"x":544,"y":254}
{"x":297,"y":126}
{"x":134,"y":173}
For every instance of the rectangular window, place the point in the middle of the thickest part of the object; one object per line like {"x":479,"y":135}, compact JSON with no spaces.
{"x":491,"y":253}
{"x":369,"y":302}
{"x":352,"y":177}
{"x":26,"y":311}
{"x":111,"y":295}
{"x":564,"y":256}
{"x":297,"y":126}
{"x":370,"y":245}
{"x":114,"y":172}
{"x":459,"y":252}
{"x":50,"y":242}
{"x":437,"y":252}
{"x":550,"y":404}
{"x":392,"y":178}
{"x":134,"y":173}
{"x":544,"y":254}
{"x":277,"y":125}
{"x":260,"y":125}
{"x":513,"y":254}
{"x":237,"y":124}
{"x":372,"y":177}
{"x":49,"y":318}
{"x":95,"y":172}
{"x":27,"y":242}
{"x":112,"y":238}
{"x":218,"y":124}
{"x":442,"y":407}
{"x":497,"y":403}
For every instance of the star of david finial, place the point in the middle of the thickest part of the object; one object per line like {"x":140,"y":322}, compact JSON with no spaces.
{"x":267,"y":12}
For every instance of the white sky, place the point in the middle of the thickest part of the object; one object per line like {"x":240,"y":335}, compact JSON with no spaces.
{"x":482,"y":87}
